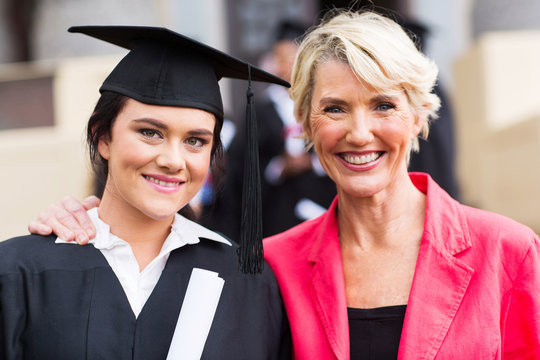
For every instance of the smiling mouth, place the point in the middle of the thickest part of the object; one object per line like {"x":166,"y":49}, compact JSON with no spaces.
{"x":361,"y":159}
{"x":161,"y":182}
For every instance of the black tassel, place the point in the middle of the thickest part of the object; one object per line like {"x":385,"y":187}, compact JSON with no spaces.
{"x":251,"y":253}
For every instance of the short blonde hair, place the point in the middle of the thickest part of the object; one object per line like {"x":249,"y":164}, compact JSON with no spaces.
{"x":378,"y":51}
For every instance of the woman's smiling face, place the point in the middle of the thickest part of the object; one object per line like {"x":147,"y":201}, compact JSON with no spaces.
{"x":158,"y":157}
{"x":361,"y":136}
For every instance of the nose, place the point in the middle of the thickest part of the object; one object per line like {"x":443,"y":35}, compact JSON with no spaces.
{"x":171,"y":157}
{"x":360,"y":129}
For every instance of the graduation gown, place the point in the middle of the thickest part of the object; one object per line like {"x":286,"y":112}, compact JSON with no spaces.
{"x":59,"y":301}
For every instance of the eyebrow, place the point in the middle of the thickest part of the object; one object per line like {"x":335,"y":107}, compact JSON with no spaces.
{"x":163,"y":126}
{"x":332,"y":100}
{"x":152,"y":122}
{"x":380,"y":98}
{"x":375,"y":99}
{"x":201,"y":132}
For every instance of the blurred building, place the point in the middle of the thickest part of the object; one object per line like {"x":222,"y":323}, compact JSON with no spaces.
{"x":49,"y":81}
{"x":498,"y":108}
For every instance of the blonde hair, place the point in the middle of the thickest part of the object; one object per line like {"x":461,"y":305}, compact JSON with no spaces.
{"x":378,"y":51}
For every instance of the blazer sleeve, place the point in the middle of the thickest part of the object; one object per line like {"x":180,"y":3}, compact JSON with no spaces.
{"x":12,"y":316}
{"x":520,"y":322}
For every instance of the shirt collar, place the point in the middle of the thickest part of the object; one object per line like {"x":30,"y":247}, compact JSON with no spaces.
{"x":183,"y":232}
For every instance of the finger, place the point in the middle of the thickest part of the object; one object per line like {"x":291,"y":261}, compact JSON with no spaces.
{"x":36,"y":227}
{"x":91,"y":202}
{"x":72,"y":215}
{"x":78,"y":211}
{"x":60,"y":230}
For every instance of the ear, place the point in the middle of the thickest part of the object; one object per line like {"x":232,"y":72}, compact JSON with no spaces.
{"x":104,"y":147}
{"x":417,"y":125}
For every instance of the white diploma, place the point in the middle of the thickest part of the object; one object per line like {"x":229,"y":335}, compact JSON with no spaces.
{"x":196,"y":315}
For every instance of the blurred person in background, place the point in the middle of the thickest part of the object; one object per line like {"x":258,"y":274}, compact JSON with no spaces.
{"x":295,"y":188}
{"x":153,"y":284}
{"x":435,"y":155}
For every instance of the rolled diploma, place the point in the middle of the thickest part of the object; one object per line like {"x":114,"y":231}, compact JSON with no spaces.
{"x":196,"y":315}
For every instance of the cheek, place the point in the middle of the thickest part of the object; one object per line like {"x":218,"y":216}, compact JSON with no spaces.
{"x":401,"y":130}
{"x":200,"y":165}
{"x":325,"y":134}
{"x":130,"y":154}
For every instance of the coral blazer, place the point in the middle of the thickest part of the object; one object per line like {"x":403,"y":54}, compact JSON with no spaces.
{"x":475,"y":292}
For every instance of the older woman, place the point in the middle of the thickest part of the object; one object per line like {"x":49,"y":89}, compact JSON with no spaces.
{"x":395,"y":268}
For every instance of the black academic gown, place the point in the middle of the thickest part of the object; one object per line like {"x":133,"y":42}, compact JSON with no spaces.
{"x":62,"y":301}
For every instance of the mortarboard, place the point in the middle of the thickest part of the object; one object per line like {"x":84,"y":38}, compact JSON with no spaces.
{"x":167,"y":68}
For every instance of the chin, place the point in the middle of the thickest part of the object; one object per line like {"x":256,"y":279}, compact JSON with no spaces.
{"x":160,"y":212}
{"x":362,"y":189}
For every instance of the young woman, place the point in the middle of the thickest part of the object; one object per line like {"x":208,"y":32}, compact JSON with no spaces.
{"x":152,"y":283}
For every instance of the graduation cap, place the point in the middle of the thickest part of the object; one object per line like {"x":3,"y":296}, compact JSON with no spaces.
{"x":167,"y":68}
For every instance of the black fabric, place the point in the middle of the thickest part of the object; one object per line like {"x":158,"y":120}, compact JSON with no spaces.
{"x":375,"y":333}
{"x":167,"y":68}
{"x":63,"y":301}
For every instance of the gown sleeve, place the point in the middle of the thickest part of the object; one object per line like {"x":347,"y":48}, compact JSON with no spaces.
{"x":12,"y":316}
{"x":521,"y":320}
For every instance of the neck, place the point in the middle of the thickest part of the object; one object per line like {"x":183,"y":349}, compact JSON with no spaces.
{"x":145,"y":235}
{"x":392,"y":217}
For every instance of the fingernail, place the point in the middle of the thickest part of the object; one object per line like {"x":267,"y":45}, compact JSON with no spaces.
{"x":89,"y":232}
{"x":82,"y":239}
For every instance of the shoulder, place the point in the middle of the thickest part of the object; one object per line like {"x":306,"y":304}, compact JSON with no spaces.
{"x":489,"y":226}
{"x":291,"y":250}
{"x":293,"y":239}
{"x":36,"y":253}
{"x":23,"y":250}
{"x":501,"y":237}
{"x":26,"y":245}
{"x":491,"y":235}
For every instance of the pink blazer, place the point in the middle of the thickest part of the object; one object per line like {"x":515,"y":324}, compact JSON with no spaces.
{"x":475,"y":292}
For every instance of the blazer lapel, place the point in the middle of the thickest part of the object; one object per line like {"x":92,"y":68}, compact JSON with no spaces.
{"x":328,"y":287}
{"x":440,"y":280}
{"x":439,"y":285}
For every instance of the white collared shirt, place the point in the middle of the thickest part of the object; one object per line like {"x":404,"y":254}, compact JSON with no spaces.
{"x":138,"y":285}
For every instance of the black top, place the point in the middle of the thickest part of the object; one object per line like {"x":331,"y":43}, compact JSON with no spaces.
{"x":63,"y":301}
{"x":375,"y":333}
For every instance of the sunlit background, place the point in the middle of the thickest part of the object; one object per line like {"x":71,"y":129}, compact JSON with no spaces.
{"x":488,"y":52}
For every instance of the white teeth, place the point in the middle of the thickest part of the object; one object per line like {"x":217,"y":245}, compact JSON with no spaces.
{"x":362,"y":159}
{"x":162,"y":183}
